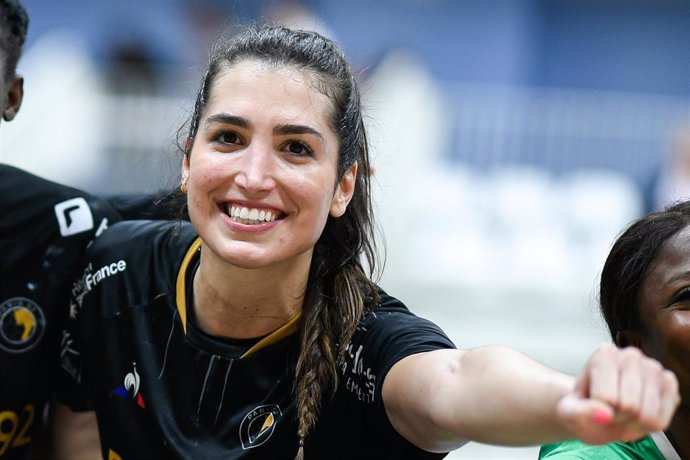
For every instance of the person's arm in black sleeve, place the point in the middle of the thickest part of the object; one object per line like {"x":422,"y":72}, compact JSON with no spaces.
{"x":73,"y":419}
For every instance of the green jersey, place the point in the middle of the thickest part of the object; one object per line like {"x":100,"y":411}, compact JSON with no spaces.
{"x":642,"y":449}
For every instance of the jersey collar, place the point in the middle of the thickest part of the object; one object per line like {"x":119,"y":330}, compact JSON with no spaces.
{"x":181,"y":300}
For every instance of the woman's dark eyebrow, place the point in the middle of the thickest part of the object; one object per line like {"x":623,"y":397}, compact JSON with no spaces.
{"x":226,"y":118}
{"x":296,"y":129}
{"x":682,"y":275}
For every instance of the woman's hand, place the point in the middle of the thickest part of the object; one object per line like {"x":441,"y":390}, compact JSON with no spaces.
{"x":621,"y":395}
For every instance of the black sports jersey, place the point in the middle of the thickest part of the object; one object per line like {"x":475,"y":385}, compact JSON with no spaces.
{"x":44,"y":230}
{"x":160,"y":205}
{"x":161,"y":388}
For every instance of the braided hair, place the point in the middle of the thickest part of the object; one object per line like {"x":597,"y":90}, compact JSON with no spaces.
{"x":339,"y":289}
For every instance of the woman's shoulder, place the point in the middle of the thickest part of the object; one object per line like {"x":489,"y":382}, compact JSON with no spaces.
{"x":390,"y":321}
{"x":144,"y":247}
{"x":133,"y":262}
{"x":138,"y":235}
{"x":389,"y":312}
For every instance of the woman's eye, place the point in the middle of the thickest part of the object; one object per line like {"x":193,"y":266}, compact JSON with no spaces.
{"x":227,"y":137}
{"x":298,"y":148}
{"x":683,"y":296}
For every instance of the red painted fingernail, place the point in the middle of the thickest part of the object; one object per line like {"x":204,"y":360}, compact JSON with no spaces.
{"x":602,"y":417}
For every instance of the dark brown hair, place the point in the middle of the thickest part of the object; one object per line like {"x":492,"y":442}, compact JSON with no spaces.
{"x":339,"y":290}
{"x":628,"y":263}
{"x":14,"y":23}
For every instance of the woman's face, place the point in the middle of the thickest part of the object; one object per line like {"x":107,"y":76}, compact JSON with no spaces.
{"x":665,"y":309}
{"x":262,"y":169}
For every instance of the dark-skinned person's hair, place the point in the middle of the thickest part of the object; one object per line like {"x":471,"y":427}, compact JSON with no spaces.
{"x":14,"y":23}
{"x":339,"y":290}
{"x":628,"y":264}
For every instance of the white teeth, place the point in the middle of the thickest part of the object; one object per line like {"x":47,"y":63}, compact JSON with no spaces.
{"x":249,"y":216}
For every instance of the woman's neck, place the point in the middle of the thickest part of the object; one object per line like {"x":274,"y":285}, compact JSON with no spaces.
{"x":243,"y":303}
{"x":678,"y":432}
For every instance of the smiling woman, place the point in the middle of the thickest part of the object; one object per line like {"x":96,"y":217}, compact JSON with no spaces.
{"x":645,"y":299}
{"x":255,"y":332}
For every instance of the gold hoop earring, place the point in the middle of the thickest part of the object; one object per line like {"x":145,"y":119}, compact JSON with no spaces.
{"x":183,"y":186}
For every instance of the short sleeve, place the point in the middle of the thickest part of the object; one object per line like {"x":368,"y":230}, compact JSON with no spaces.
{"x":72,"y":388}
{"x":385,"y":336}
{"x":81,"y":336}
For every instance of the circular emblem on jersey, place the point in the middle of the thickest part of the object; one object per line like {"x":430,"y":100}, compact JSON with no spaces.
{"x":22,"y":324}
{"x":258,"y":425}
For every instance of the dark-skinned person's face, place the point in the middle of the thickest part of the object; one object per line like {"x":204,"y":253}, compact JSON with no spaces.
{"x":664,"y":303}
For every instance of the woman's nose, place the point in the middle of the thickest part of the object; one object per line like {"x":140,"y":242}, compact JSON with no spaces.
{"x":256,"y":169}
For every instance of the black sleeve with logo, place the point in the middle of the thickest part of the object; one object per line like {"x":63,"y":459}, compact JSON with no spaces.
{"x":99,"y":295}
{"x":44,"y":230}
{"x":384,"y":337}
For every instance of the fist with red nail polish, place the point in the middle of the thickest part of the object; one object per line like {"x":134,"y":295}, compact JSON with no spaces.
{"x":621,"y":395}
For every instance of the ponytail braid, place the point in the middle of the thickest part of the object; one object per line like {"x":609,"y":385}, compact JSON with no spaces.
{"x":338,"y":291}
{"x":328,"y":325}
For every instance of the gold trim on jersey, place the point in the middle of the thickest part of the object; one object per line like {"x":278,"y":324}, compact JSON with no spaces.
{"x":283,"y":331}
{"x":181,"y":299}
{"x":181,"y":285}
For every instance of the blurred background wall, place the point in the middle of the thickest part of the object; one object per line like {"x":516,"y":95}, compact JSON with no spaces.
{"x":512,"y":139}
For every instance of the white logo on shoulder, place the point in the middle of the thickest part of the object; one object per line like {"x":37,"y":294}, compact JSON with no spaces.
{"x":359,"y":378}
{"x":74,"y":216}
{"x":92,"y":279}
{"x":89,"y":279}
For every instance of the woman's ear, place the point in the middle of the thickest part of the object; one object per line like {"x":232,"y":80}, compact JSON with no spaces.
{"x":627,"y":338}
{"x":344,"y":191}
{"x":184,"y":174}
{"x":185,"y":166}
{"x":15,"y":94}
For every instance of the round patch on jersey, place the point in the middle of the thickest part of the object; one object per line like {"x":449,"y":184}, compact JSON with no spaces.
{"x":22,"y":324}
{"x":258,"y":425}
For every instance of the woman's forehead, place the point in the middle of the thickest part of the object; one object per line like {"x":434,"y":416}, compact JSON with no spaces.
{"x":672,"y":261}
{"x":677,"y":247}
{"x":262,"y":68}
{"x":274,"y":84}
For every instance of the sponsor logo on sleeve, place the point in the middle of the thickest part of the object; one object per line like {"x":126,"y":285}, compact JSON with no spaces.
{"x":359,"y":379}
{"x":22,"y":324}
{"x":258,"y":425}
{"x":74,"y":216}
{"x":90,"y":279}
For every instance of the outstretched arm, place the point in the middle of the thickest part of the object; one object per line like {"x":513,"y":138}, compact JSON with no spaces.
{"x":496,"y":395}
